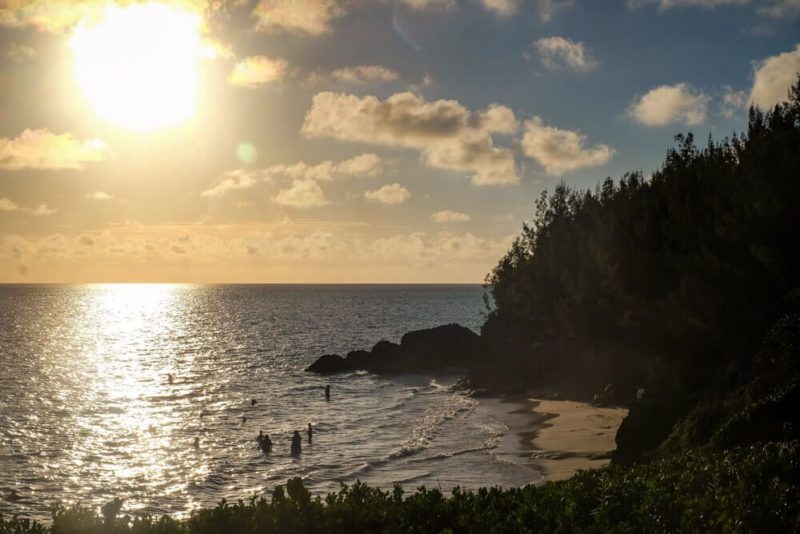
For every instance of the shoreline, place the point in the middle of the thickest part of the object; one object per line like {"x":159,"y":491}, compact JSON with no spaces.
{"x":554,"y":438}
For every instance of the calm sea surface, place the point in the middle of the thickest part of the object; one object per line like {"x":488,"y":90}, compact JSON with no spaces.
{"x":87,"y":412}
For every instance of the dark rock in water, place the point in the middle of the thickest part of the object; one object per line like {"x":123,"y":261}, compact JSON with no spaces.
{"x":358,"y":359}
{"x":448,"y":345}
{"x":330,"y":363}
{"x":432,"y":349}
{"x":386,"y":357}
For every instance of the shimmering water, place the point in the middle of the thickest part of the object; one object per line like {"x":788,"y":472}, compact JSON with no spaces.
{"x":87,"y":412}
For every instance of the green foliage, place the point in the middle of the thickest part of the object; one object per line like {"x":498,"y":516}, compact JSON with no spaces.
{"x":754,"y":488}
{"x":686,"y":268}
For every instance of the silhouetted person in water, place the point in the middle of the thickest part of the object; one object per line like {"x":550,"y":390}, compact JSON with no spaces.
{"x":252,"y":402}
{"x":170,"y":379}
{"x":310,"y":433}
{"x":260,"y":437}
{"x":266,"y":444}
{"x":328,"y":392}
{"x":297,"y":443}
{"x":244,"y":419}
{"x":196,"y":443}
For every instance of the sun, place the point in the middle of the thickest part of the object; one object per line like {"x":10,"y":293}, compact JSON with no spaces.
{"x":137,"y":65}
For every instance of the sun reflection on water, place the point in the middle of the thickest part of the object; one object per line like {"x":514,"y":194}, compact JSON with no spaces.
{"x":130,"y":351}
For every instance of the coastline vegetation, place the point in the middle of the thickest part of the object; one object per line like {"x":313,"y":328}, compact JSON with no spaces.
{"x":755,"y":488}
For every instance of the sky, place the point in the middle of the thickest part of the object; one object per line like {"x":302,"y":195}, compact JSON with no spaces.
{"x":345,"y":141}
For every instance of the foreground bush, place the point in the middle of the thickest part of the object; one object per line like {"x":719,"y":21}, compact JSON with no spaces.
{"x":754,"y":488}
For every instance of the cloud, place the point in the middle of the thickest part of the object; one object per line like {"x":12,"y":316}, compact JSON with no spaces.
{"x":669,"y":104}
{"x":46,"y":15}
{"x":389,"y":194}
{"x":430,"y":4}
{"x":280,"y":251}
{"x":497,"y":119}
{"x":560,"y":151}
{"x":669,"y":4}
{"x":232,"y":180}
{"x":19,"y":52}
{"x":502,"y":8}
{"x":309,"y":17}
{"x":365,"y":74}
{"x":557,"y":53}
{"x":781,"y":9}
{"x":443,"y":130}
{"x":303,"y":193}
{"x":448,"y":216}
{"x":55,"y":16}
{"x":98,"y":195}
{"x":7,"y":204}
{"x":43,"y":150}
{"x":363,"y":165}
{"x":773,"y":77}
{"x":733,"y":102}
{"x":548,"y":9}
{"x":256,"y":71}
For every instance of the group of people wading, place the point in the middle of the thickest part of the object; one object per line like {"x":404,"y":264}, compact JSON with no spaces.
{"x":265,"y":443}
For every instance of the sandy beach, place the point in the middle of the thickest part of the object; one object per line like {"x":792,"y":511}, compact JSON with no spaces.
{"x":573,"y":435}
{"x":552,"y":439}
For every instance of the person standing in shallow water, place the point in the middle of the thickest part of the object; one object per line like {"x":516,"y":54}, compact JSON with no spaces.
{"x":310,"y":433}
{"x":328,"y":392}
{"x":266,"y":444}
{"x":297,"y":443}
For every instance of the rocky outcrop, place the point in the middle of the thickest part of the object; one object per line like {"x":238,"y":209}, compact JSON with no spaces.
{"x":431,"y":349}
{"x":330,"y":363}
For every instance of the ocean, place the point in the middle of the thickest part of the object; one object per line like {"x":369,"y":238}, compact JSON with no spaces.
{"x":88,"y":411}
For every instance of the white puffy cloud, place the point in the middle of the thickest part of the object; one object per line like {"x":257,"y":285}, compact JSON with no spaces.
{"x":303,"y":193}
{"x":773,"y":77}
{"x":497,"y":119}
{"x":669,"y":104}
{"x":44,"y":150}
{"x":389,"y":194}
{"x":557,"y":53}
{"x":310,"y":17}
{"x":255,"y":71}
{"x":443,"y":130}
{"x":232,"y":180}
{"x":560,"y":151}
{"x":98,"y":195}
{"x":501,"y":8}
{"x":365,"y":74}
{"x":447,"y":216}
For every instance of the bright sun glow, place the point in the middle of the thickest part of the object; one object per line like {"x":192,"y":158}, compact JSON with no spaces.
{"x":138,"y":65}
